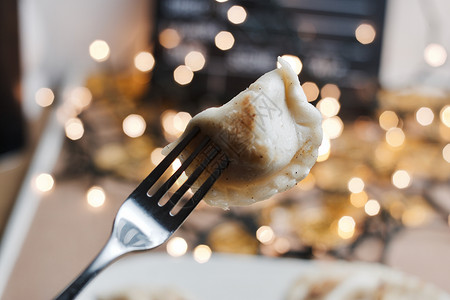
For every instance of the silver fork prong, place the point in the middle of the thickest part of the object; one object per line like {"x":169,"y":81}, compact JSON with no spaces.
{"x":151,"y":179}
{"x":210,"y":155}
{"x":201,"y":192}
{"x":168,"y":184}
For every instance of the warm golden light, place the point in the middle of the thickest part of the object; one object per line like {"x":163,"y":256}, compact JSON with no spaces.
{"x":180,"y":121}
{"x":333,"y":127}
{"x":388,"y":119}
{"x":202,"y":253}
{"x":156,"y":156}
{"x":176,"y":164}
{"x":195,"y":60}
{"x":395,"y":137}
{"x":445,"y":115}
{"x":44,"y":182}
{"x":355,"y":185}
{"x":224,"y":40}
{"x":372,"y":207}
{"x":237,"y":14}
{"x":414,"y":216}
{"x":330,"y":90}
{"x":401,"y":179}
{"x":424,"y":116}
{"x":144,"y":61}
{"x":167,"y":122}
{"x":311,"y":90}
{"x":295,"y":62}
{"x":99,"y":50}
{"x":169,"y":38}
{"x":435,"y":55}
{"x":365,"y":34}
{"x":359,"y":199}
{"x":81,"y":97}
{"x":346,"y":227}
{"x":183,"y":75}
{"x":95,"y":196}
{"x":282,"y":245}
{"x":329,"y":107}
{"x":177,"y":247}
{"x":44,"y":97}
{"x":74,"y":129}
{"x":134,"y":125}
{"x":324,"y":149}
{"x":265,"y":235}
{"x":446,"y":153}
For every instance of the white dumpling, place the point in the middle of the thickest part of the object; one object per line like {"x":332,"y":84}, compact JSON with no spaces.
{"x":271,"y":135}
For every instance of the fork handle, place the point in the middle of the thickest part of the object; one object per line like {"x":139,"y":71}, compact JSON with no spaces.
{"x":110,"y":252}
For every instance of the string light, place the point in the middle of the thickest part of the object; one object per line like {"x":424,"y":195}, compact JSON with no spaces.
{"x":265,"y":235}
{"x":330,"y":90}
{"x":74,"y":129}
{"x":95,"y":196}
{"x":183,"y":75}
{"x":174,"y":123}
{"x":435,"y":55}
{"x":401,"y":179}
{"x":328,"y":106}
{"x":446,"y":153}
{"x":359,"y":199}
{"x":395,"y":137}
{"x":202,"y":254}
{"x":44,"y":97}
{"x":294,"y":61}
{"x":236,"y":14}
{"x":311,"y":90}
{"x":177,"y":247}
{"x":372,"y":207}
{"x":99,"y":50}
{"x":333,"y":127}
{"x":134,"y":125}
{"x":365,"y":33}
{"x":355,"y":185}
{"x":424,"y":116}
{"x":144,"y":61}
{"x":388,"y":119}
{"x":445,"y":115}
{"x":169,"y":38}
{"x":181,"y":120}
{"x":346,"y":227}
{"x":44,"y":182}
{"x":224,"y":40}
{"x":195,"y":60}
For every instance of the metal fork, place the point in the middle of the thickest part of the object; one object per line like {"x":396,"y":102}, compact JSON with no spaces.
{"x":142,"y":222}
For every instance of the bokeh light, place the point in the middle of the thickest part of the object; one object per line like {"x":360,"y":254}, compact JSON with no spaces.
{"x":195,"y":60}
{"x":401,"y":179}
{"x":346,"y":227}
{"x":311,"y":90}
{"x":74,"y":129}
{"x":237,"y":14}
{"x":330,"y":90}
{"x":44,"y":97}
{"x":183,"y":75}
{"x":388,"y":119}
{"x":294,"y":61}
{"x":372,"y":207}
{"x":333,"y":127}
{"x":365,"y":33}
{"x":169,"y":38}
{"x":202,"y":253}
{"x":359,"y":199}
{"x":265,"y":235}
{"x":324,"y":149}
{"x":44,"y":182}
{"x":355,"y":185}
{"x":444,"y":115}
{"x":224,"y":40}
{"x":435,"y":55}
{"x":134,"y":125}
{"x":424,"y":116}
{"x":81,"y":97}
{"x":144,"y":61}
{"x":329,"y":106}
{"x":177,"y":247}
{"x":446,"y":153}
{"x":99,"y":50}
{"x":395,"y":137}
{"x":95,"y":196}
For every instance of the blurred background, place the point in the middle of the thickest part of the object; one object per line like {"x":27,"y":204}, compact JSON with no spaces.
{"x":92,"y":90}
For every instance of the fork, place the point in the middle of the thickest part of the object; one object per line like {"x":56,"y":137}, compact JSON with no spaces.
{"x":143,"y":222}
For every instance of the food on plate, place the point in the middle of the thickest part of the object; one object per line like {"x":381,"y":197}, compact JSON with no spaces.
{"x":270,"y":134}
{"x":361,"y":281}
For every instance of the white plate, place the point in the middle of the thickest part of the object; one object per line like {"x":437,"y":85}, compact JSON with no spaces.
{"x":223,"y":277}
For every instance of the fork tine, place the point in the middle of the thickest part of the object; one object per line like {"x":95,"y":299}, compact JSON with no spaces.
{"x":150,"y":180}
{"x":201,"y":192}
{"x":192,"y":178}
{"x":166,"y":186}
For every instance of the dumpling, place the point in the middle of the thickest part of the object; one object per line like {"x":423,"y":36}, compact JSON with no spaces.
{"x":271,"y":135}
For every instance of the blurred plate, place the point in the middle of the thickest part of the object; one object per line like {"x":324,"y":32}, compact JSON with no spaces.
{"x":223,"y":277}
